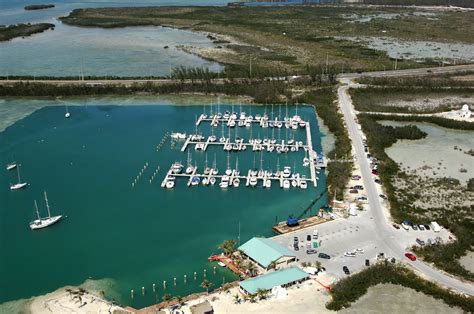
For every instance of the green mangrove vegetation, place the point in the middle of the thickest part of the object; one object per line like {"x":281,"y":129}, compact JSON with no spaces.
{"x":22,"y":30}
{"x":350,"y":289}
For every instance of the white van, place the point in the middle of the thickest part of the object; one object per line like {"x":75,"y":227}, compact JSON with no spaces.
{"x":315,"y":234}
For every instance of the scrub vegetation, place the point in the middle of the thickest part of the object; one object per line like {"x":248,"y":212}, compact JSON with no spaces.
{"x":404,"y":190}
{"x":350,"y":289}
{"x":291,"y":38}
{"x":22,"y":30}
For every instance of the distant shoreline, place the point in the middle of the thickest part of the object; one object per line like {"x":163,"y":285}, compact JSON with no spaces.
{"x":23,"y":30}
{"x":39,"y":7}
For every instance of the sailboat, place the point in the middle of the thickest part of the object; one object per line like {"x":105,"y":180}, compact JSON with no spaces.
{"x":20,"y":184}
{"x":67,"y":115}
{"x":46,"y":221}
{"x":11,"y":166}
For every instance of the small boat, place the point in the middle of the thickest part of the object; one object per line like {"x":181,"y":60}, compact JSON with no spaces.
{"x":302,"y":124}
{"x":11,"y":166}
{"x":224,"y":184}
{"x":170,"y":183}
{"x":236,"y":182}
{"x":306,"y":162}
{"x":178,"y":136}
{"x":253,"y":181}
{"x":303,"y":185}
{"x":221,"y":264}
{"x":267,"y":183}
{"x":286,"y":184}
{"x":212,"y":138}
{"x":294,"y":183}
{"x":46,"y":221}
{"x":205,"y":181}
{"x":189,"y":169}
{"x":67,"y":114}
{"x":222,"y":140}
{"x":20,"y":184}
{"x":286,"y":172}
{"x":195,"y":181}
{"x":212,"y":180}
{"x":176,"y":167}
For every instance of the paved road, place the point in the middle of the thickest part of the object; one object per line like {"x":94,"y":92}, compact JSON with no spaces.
{"x":382,"y":228}
{"x":410,"y":72}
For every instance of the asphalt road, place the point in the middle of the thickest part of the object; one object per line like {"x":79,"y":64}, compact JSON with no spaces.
{"x":382,"y":229}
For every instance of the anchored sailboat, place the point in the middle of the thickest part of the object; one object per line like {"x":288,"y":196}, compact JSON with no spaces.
{"x":20,"y":184}
{"x":46,"y":221}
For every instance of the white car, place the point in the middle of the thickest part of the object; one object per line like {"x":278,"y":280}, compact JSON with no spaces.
{"x":360,"y":251}
{"x":349,"y":254}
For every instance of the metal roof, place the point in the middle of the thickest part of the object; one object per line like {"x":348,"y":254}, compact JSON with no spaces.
{"x":264,"y":251}
{"x":273,"y":279}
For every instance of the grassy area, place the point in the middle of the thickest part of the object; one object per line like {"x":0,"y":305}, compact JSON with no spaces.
{"x":22,"y":30}
{"x":292,"y":37}
{"x":351,"y":288}
{"x":384,"y":99}
{"x":338,"y":172}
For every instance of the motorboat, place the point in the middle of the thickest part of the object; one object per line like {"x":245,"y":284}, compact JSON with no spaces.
{"x":178,"y":136}
{"x":212,"y":180}
{"x":294,"y":183}
{"x":253,"y":181}
{"x":11,"y":166}
{"x":286,"y":184}
{"x":205,"y":181}
{"x":195,"y":181}
{"x":176,"y":167}
{"x":236,"y":182}
{"x":190,"y":169}
{"x":267,"y":183}
{"x":212,"y":138}
{"x":303,"y":184}
{"x":169,"y":183}
{"x":286,"y":172}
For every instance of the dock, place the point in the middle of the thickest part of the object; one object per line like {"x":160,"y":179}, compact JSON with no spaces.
{"x":312,"y":166}
{"x":282,"y":228}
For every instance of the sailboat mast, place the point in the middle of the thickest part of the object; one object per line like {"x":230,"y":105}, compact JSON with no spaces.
{"x":37,"y":211}
{"x":47,"y":204}
{"x":18,"y":173}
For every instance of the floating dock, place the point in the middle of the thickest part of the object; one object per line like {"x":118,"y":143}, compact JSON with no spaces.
{"x":282,"y":227}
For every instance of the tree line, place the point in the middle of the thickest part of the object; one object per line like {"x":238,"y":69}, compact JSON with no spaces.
{"x":456,"y":3}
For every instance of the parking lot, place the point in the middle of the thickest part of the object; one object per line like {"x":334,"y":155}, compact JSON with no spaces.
{"x":348,"y":235}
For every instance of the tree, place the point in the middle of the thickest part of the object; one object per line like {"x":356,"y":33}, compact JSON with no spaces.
{"x":251,"y":268}
{"x":273,"y":265}
{"x":252,"y":298}
{"x":167,"y":297}
{"x":318,"y":265}
{"x":262,"y":294}
{"x":227,"y":287}
{"x":179,"y":299}
{"x":206,"y":284}
{"x":228,"y":247}
{"x":236,"y":299}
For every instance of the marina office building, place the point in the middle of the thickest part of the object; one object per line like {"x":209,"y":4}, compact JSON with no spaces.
{"x":281,"y":278}
{"x":266,"y":252}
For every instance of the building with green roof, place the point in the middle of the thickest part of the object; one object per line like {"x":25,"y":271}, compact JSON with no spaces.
{"x":284,"y":277}
{"x":266,"y":251}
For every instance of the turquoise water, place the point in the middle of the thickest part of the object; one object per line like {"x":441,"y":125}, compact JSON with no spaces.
{"x":135,"y":236}
{"x":67,"y":50}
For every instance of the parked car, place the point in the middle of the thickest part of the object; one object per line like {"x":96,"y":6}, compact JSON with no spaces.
{"x":396,"y":226}
{"x":356,"y":177}
{"x":308,"y":245}
{"x":308,"y":237}
{"x":358,"y":187}
{"x":315,"y":233}
{"x":349,"y":254}
{"x":405,"y":226}
{"x":375,"y":172}
{"x":346,"y":270}
{"x":359,"y":251}
{"x":378,"y":181}
{"x":295,"y":239}
{"x":427,"y":227}
{"x":414,"y":227}
{"x":362,"y":198}
{"x":392,"y":260}
{"x":353,"y":191}
{"x":421,"y":227}
{"x":367,"y":263}
{"x":411,"y":256}
{"x":311,"y":251}
{"x":382,"y":196}
{"x":324,"y":255}
{"x":296,"y":247}
{"x":420,"y":242}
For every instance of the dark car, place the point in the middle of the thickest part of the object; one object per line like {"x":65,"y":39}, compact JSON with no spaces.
{"x":295,"y":240}
{"x":374,"y":171}
{"x":308,"y":237}
{"x":346,"y":270}
{"x":356,"y":177}
{"x":296,"y":247}
{"x":324,"y":255}
{"x":358,"y":187}
{"x":396,"y":226}
{"x":420,"y":242}
{"x":311,"y":251}
{"x":378,"y":181}
{"x":414,"y":227}
{"x":382,"y":196}
{"x":367,"y":262}
{"x":354,"y":191}
{"x":427,"y":227}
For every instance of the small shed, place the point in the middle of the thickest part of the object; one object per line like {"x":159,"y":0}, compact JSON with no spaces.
{"x":202,"y":308}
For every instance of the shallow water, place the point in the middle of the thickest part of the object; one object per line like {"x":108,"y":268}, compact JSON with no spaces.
{"x":71,"y":51}
{"x":134,"y":236}
{"x":435,"y":151}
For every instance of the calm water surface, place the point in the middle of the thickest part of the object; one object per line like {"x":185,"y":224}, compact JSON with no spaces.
{"x":133,"y":236}
{"x":66,"y":51}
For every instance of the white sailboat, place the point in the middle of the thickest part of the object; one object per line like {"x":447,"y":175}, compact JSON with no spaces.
{"x":11,"y":166}
{"x":46,"y":221}
{"x":20,"y":184}
{"x":67,"y":114}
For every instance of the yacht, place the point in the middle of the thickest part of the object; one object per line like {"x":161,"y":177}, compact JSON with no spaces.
{"x":286,"y":184}
{"x":212,"y":180}
{"x":253,"y":181}
{"x":11,"y":166}
{"x":170,"y":182}
{"x":178,"y":136}
{"x":286,"y":172}
{"x":46,"y":221}
{"x":236,"y":182}
{"x":303,"y":184}
{"x":176,"y":167}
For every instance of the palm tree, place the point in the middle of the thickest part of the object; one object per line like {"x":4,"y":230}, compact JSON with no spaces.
{"x":252,"y":269}
{"x":273,"y":265}
{"x":167,"y":297}
{"x":262,"y":294}
{"x":228,"y":247}
{"x":179,"y":299}
{"x":206,"y":284}
{"x":236,"y":299}
{"x":318,"y":265}
{"x":252,"y":298}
